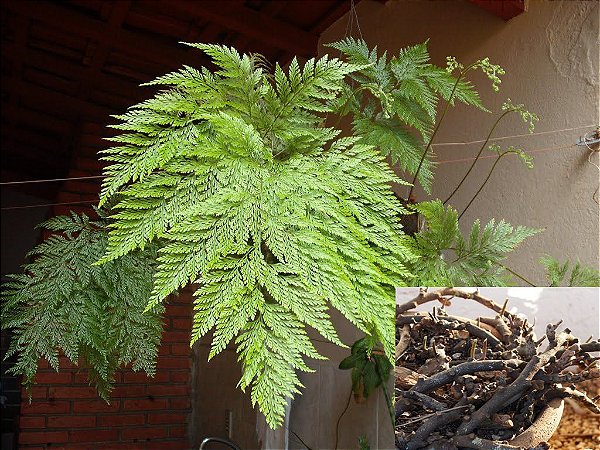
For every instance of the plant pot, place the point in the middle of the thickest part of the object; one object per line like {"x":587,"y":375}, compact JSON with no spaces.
{"x":540,"y":431}
{"x":544,"y":426}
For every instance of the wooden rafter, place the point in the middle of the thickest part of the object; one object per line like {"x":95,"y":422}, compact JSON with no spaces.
{"x":248,"y":22}
{"x":82,"y":25}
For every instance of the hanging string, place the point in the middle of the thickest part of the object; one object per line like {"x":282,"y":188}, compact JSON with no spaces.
{"x":585,"y":140}
{"x":353,"y":12}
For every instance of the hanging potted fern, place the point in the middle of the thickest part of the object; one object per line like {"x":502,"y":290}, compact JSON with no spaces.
{"x":231,"y":181}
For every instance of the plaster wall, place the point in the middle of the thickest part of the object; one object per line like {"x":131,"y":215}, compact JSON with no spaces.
{"x":551,"y":55}
{"x":314,"y":414}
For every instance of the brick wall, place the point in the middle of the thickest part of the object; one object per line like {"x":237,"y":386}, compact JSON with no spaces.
{"x":144,"y":413}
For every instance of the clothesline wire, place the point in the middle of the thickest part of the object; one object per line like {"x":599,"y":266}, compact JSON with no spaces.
{"x":537,"y":150}
{"x":95,"y":177}
{"x":91,"y":177}
{"x":513,"y":136}
{"x":90,"y":202}
{"x":80,"y":202}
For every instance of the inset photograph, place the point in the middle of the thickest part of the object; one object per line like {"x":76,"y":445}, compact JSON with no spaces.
{"x":497,"y":368}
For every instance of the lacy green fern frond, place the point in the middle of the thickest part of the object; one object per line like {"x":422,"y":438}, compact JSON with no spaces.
{"x":448,"y":258}
{"x":62,"y":304}
{"x":557,"y":273}
{"x":398,"y":95}
{"x":253,"y":199}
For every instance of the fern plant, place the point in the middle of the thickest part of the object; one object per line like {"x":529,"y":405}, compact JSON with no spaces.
{"x":449,"y":259}
{"x":393,"y":104}
{"x":390,"y":100}
{"x":569,"y":274}
{"x":94,"y":315}
{"x":231,"y":180}
{"x":274,"y":216}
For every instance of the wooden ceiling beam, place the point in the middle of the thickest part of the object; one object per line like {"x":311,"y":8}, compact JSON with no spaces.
{"x":335,"y":13}
{"x":246,"y":21}
{"x":67,"y":69}
{"x":22,"y":115}
{"x":82,"y":25}
{"x":56,"y":102}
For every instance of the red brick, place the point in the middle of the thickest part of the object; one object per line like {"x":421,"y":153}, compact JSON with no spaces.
{"x":122,"y":446}
{"x":179,"y":311}
{"x":181,"y":324}
{"x":181,"y":349}
{"x":64,"y":197}
{"x":71,"y":421}
{"x":93,"y":435}
{"x":177,"y":431}
{"x":141,"y":377}
{"x":99,"y":128}
{"x":83,"y":187}
{"x":75,"y":447}
{"x":92,"y":140}
{"x":177,"y":336}
{"x":72,"y":392}
{"x":113,"y":420}
{"x":172,"y":445}
{"x":50,"y":407}
{"x":154,"y":418}
{"x":54,"y":378}
{"x":125,"y":390}
{"x":146,"y":433}
{"x":168,"y":390}
{"x":180,"y":403}
{"x":180,"y":376}
{"x":32,"y":422}
{"x":64,"y":210}
{"x":39,"y":392}
{"x":81,"y":378}
{"x":76,"y":173}
{"x":43,"y":364}
{"x":90,"y":164}
{"x":66,"y":364}
{"x":144,"y":404}
{"x":42,"y":437}
{"x":174,"y":363}
{"x":85,"y":406}
{"x":164,"y":350}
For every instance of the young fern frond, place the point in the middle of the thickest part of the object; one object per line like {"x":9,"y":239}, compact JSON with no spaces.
{"x":558,"y":274}
{"x":396,"y":96}
{"x":449,"y":259}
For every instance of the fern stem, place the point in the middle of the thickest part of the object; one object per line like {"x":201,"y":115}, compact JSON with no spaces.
{"x":485,"y":181}
{"x":337,"y":425}
{"x":350,"y":97}
{"x":437,"y":127}
{"x":388,"y":401}
{"x":521,"y":277}
{"x":477,"y":157}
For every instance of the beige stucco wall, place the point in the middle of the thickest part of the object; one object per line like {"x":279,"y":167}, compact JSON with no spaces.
{"x":550,"y":54}
{"x":315,"y":413}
